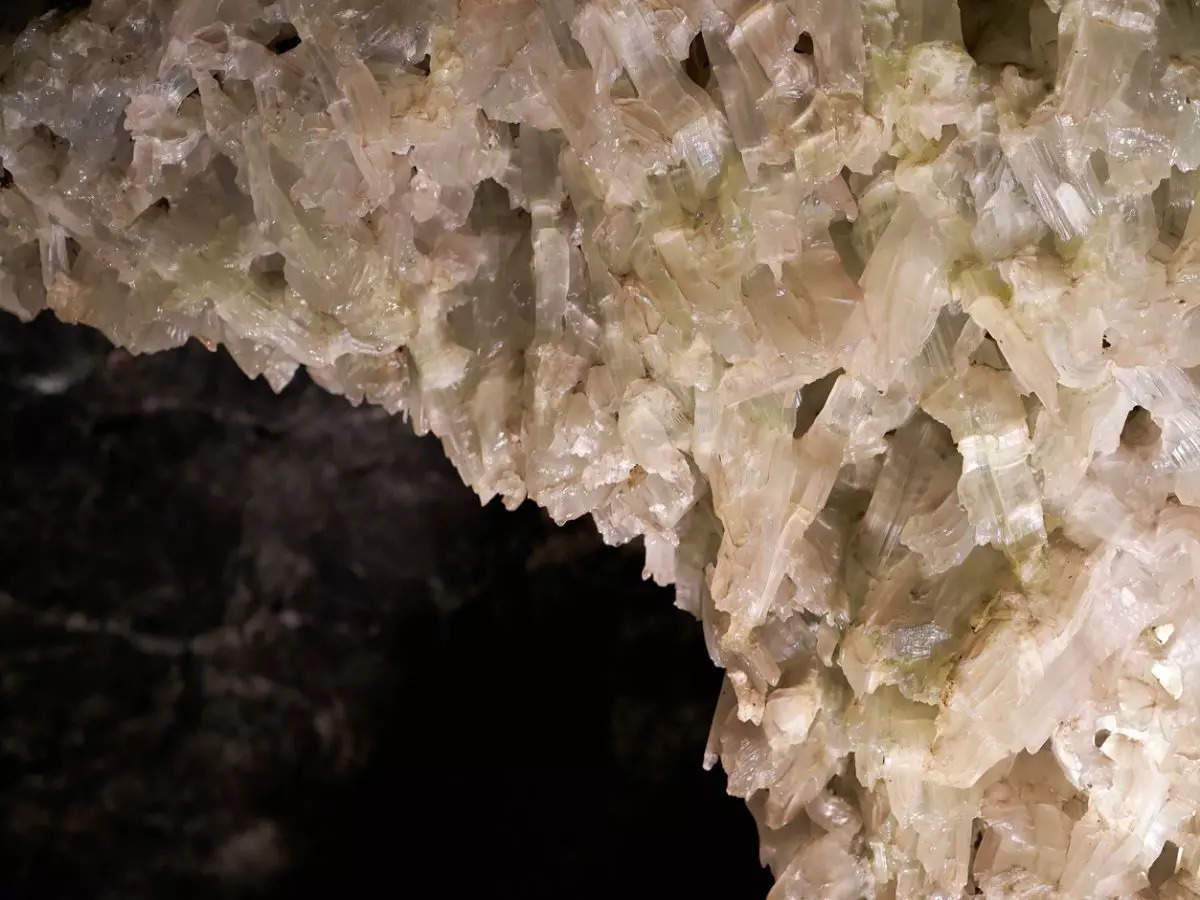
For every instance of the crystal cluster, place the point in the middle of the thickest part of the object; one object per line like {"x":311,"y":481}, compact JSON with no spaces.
{"x":875,"y":319}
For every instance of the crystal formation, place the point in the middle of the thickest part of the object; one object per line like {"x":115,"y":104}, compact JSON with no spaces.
{"x":875,"y":319}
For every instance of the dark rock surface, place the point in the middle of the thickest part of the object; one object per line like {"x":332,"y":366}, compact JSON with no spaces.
{"x":270,"y":646}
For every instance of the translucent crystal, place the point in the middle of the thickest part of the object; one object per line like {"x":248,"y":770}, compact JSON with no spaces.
{"x":878,"y":321}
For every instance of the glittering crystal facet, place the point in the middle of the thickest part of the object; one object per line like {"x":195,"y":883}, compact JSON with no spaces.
{"x":875,"y":319}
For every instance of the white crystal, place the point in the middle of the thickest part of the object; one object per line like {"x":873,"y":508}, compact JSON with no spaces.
{"x":887,"y":349}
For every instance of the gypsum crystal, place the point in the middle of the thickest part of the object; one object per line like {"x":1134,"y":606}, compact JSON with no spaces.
{"x":888,"y":350}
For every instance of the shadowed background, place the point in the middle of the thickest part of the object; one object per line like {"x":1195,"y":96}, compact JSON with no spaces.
{"x":259,"y":645}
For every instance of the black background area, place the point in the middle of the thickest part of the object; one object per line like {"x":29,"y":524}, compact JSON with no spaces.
{"x":270,"y":646}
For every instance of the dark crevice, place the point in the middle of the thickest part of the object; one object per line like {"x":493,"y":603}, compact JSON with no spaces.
{"x":989,"y":354}
{"x":17,"y":14}
{"x":1172,"y":204}
{"x":1163,"y":868}
{"x":45,"y":134}
{"x":73,"y":251}
{"x":6,"y":179}
{"x":812,"y":400}
{"x":804,"y":44}
{"x":287,"y":39}
{"x":697,"y":65}
{"x":997,"y":34}
{"x":491,"y":199}
{"x":267,"y":271}
{"x":422,"y":65}
{"x":1140,"y":429}
{"x":841,"y":232}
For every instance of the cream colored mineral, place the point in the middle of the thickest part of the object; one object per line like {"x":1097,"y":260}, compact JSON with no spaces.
{"x":875,"y":319}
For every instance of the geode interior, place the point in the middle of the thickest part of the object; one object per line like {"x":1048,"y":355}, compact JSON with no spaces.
{"x":875,"y":319}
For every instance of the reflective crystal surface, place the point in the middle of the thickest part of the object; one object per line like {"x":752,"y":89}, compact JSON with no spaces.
{"x":876,"y":320}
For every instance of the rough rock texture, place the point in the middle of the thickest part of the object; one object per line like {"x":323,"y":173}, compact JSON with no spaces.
{"x":875,"y":320}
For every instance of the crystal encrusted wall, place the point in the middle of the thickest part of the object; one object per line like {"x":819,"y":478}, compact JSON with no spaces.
{"x":874,"y":319}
